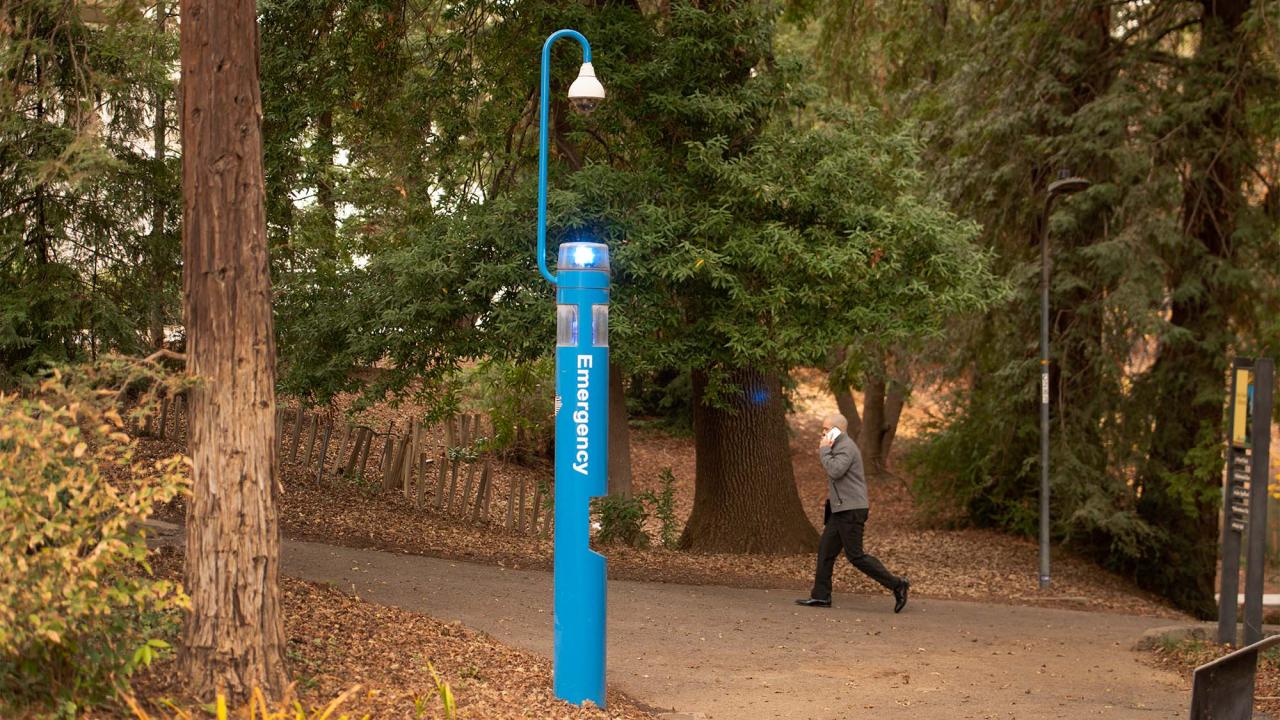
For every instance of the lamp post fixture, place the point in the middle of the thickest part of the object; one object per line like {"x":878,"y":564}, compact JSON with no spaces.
{"x":581,"y":415}
{"x":1064,"y":185}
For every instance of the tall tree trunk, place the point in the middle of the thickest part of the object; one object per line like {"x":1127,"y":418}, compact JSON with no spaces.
{"x":843,"y":394}
{"x":1181,"y":493}
{"x":894,"y":401}
{"x":848,"y":406}
{"x":324,"y":166}
{"x":1077,"y":324}
{"x":161,"y":129}
{"x":882,"y":405}
{"x":233,"y":639}
{"x":938,"y":16}
{"x":745,"y":498}
{"x":619,"y":435}
{"x":873,"y":419}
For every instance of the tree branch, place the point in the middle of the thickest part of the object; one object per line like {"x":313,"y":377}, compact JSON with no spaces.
{"x":164,"y":354}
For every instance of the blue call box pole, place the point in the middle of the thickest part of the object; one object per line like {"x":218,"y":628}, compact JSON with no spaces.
{"x":582,"y":419}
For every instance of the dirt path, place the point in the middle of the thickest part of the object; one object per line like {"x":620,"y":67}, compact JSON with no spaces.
{"x":726,"y":653}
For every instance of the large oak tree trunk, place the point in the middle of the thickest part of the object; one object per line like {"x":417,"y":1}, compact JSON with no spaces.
{"x":619,"y":435}
{"x":745,"y":498}
{"x":233,"y":639}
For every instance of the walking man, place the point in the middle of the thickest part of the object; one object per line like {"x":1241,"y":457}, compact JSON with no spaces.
{"x":845,"y":516}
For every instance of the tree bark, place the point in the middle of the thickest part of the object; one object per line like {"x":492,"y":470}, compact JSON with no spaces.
{"x":843,"y":394}
{"x":873,"y":424}
{"x":745,"y":498}
{"x":233,"y":639}
{"x":619,"y":435}
{"x":895,"y":400}
{"x":161,"y":133}
{"x":848,"y":406}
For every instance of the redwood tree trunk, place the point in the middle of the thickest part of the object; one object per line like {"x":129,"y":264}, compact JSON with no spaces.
{"x":233,"y":639}
{"x":619,"y":435}
{"x":745,"y":498}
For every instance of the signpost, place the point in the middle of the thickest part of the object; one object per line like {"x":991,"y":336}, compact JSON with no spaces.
{"x":1244,"y":519}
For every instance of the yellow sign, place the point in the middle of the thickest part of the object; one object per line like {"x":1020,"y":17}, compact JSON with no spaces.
{"x":1240,"y":408}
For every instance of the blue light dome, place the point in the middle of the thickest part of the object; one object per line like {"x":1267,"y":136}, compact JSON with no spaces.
{"x":584,"y":256}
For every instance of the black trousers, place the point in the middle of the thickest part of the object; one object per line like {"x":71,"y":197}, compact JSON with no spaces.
{"x":844,"y":532}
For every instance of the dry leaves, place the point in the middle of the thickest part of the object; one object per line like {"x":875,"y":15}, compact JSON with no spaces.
{"x":336,"y":641}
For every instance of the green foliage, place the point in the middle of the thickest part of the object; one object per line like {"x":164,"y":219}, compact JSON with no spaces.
{"x":1149,"y":298}
{"x":514,"y":395}
{"x":739,"y":226}
{"x":84,"y":265}
{"x":742,"y":230}
{"x":621,"y":519}
{"x":77,"y":608}
{"x":664,"y":508}
{"x":664,"y":398}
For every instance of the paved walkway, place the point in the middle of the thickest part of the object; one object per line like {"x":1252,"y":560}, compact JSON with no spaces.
{"x":723,"y":653}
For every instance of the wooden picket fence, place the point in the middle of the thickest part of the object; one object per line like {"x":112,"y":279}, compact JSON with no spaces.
{"x":436,"y":469}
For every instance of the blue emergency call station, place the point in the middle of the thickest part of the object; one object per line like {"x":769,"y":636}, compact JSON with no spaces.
{"x":581,"y":418}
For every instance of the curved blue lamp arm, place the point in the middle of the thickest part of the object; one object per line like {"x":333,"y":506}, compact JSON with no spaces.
{"x":543,"y":101}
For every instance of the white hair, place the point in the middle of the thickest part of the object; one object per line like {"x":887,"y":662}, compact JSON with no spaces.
{"x":837,"y":420}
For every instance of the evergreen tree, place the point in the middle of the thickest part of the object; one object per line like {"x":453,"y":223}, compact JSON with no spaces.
{"x":1156,"y":103}
{"x":751,"y":229}
{"x":88,"y":242}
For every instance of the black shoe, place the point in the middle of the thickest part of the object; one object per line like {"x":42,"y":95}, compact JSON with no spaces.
{"x":900,"y":595}
{"x":814,"y":602}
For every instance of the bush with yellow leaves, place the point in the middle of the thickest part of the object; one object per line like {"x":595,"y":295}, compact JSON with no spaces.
{"x":79,"y":609}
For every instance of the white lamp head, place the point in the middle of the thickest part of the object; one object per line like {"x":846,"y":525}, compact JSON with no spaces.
{"x":586,"y":93}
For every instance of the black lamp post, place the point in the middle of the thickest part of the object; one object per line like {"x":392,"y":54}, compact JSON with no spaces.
{"x":1064,"y":185}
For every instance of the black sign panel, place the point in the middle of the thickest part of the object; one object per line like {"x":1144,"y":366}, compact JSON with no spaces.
{"x":1244,"y":518}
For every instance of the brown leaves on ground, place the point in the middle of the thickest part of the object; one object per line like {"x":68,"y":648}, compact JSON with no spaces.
{"x":1185,"y":655}
{"x":336,"y":641}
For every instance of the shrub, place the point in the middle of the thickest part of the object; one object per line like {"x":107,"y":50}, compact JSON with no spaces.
{"x":664,"y":508}
{"x":515,"y":395}
{"x":78,"y":608}
{"x":621,"y":519}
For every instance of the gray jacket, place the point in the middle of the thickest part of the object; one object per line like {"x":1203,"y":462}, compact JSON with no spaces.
{"x":846,"y":485}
